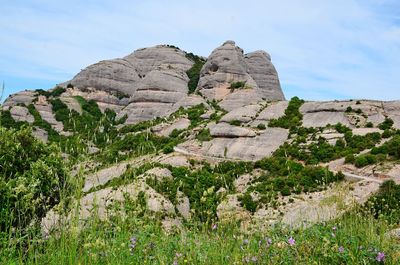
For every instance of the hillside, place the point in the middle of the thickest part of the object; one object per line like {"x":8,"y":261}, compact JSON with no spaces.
{"x":167,"y":137}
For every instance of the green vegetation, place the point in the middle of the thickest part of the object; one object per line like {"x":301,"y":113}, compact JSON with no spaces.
{"x":237,"y":85}
{"x":56,"y":92}
{"x":292,"y":117}
{"x":136,"y":238}
{"x":385,"y":204}
{"x":194,"y":72}
{"x":204,"y":135}
{"x":235,"y":122}
{"x":33,"y":179}
{"x":389,"y":151}
{"x":261,"y":126}
{"x":321,"y":151}
{"x":386,"y":124}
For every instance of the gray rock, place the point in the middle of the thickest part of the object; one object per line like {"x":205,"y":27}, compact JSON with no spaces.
{"x":24,"y":97}
{"x":124,"y":75}
{"x":264,"y":73}
{"x":274,"y":110}
{"x":45,"y":110}
{"x":226,"y":130}
{"x":227,"y":64}
{"x":20,"y":113}
{"x":243,"y":114}
{"x":166,"y":129}
{"x":224,"y":66}
{"x":322,"y":119}
{"x":246,"y":148}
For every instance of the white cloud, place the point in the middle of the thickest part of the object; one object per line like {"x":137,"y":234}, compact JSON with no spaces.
{"x":322,"y":49}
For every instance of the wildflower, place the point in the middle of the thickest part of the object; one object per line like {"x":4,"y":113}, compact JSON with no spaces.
{"x":175,"y":262}
{"x":132,"y":245}
{"x":291,"y":241}
{"x":380,"y":257}
{"x":254,"y":259}
{"x":214,"y":227}
{"x":268,"y":240}
{"x":334,"y":228}
{"x":178,"y":255}
{"x":341,"y":249}
{"x":245,"y":242}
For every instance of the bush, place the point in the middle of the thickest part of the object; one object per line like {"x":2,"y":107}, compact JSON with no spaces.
{"x":386,"y":202}
{"x":386,"y":124}
{"x":194,"y":72}
{"x":292,"y":116}
{"x":32,"y":178}
{"x":369,"y":125}
{"x":364,"y":160}
{"x":235,"y":122}
{"x":237,"y":85}
{"x":204,"y":135}
{"x":246,"y":201}
{"x":261,"y":126}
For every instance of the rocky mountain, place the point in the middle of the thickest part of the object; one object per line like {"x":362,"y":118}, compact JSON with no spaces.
{"x":161,"y":111}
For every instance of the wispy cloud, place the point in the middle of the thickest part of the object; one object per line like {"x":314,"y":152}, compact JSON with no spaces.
{"x":321,"y":49}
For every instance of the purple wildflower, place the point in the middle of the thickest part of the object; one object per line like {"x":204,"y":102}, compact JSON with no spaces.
{"x":132,"y":245}
{"x":380,"y":257}
{"x":178,"y":255}
{"x":334,"y":228}
{"x":214,"y":227}
{"x":341,"y":249}
{"x":175,"y":262}
{"x":245,"y":242}
{"x":291,"y":241}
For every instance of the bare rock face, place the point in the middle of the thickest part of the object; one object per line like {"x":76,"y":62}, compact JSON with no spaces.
{"x":226,"y":130}
{"x":117,"y":75}
{"x":264,"y":73}
{"x":123,"y":75}
{"x":20,"y":113}
{"x":227,"y":64}
{"x":24,"y":97}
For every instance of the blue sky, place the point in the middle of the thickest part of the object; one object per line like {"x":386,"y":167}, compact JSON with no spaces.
{"x":321,"y":49}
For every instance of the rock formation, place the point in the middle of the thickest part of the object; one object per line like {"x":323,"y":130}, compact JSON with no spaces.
{"x":228,"y":65}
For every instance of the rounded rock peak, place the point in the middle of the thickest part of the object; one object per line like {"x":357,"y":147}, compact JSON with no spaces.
{"x":259,"y":52}
{"x":229,"y":42}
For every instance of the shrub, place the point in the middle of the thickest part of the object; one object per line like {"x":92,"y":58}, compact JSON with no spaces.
{"x":194,"y":72}
{"x":364,"y":160}
{"x":235,"y":122}
{"x":32,"y":178}
{"x":386,"y":202}
{"x":369,"y":125}
{"x":237,"y":85}
{"x":246,"y":201}
{"x":292,"y":117}
{"x":204,"y":135}
{"x":386,"y":124}
{"x":261,"y":126}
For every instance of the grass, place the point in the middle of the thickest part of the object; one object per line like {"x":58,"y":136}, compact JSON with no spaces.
{"x":127,"y":239}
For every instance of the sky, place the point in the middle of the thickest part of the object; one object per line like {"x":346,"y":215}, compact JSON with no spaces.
{"x":322,"y":50}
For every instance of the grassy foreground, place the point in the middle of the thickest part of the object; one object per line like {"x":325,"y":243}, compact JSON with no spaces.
{"x":354,"y":238}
